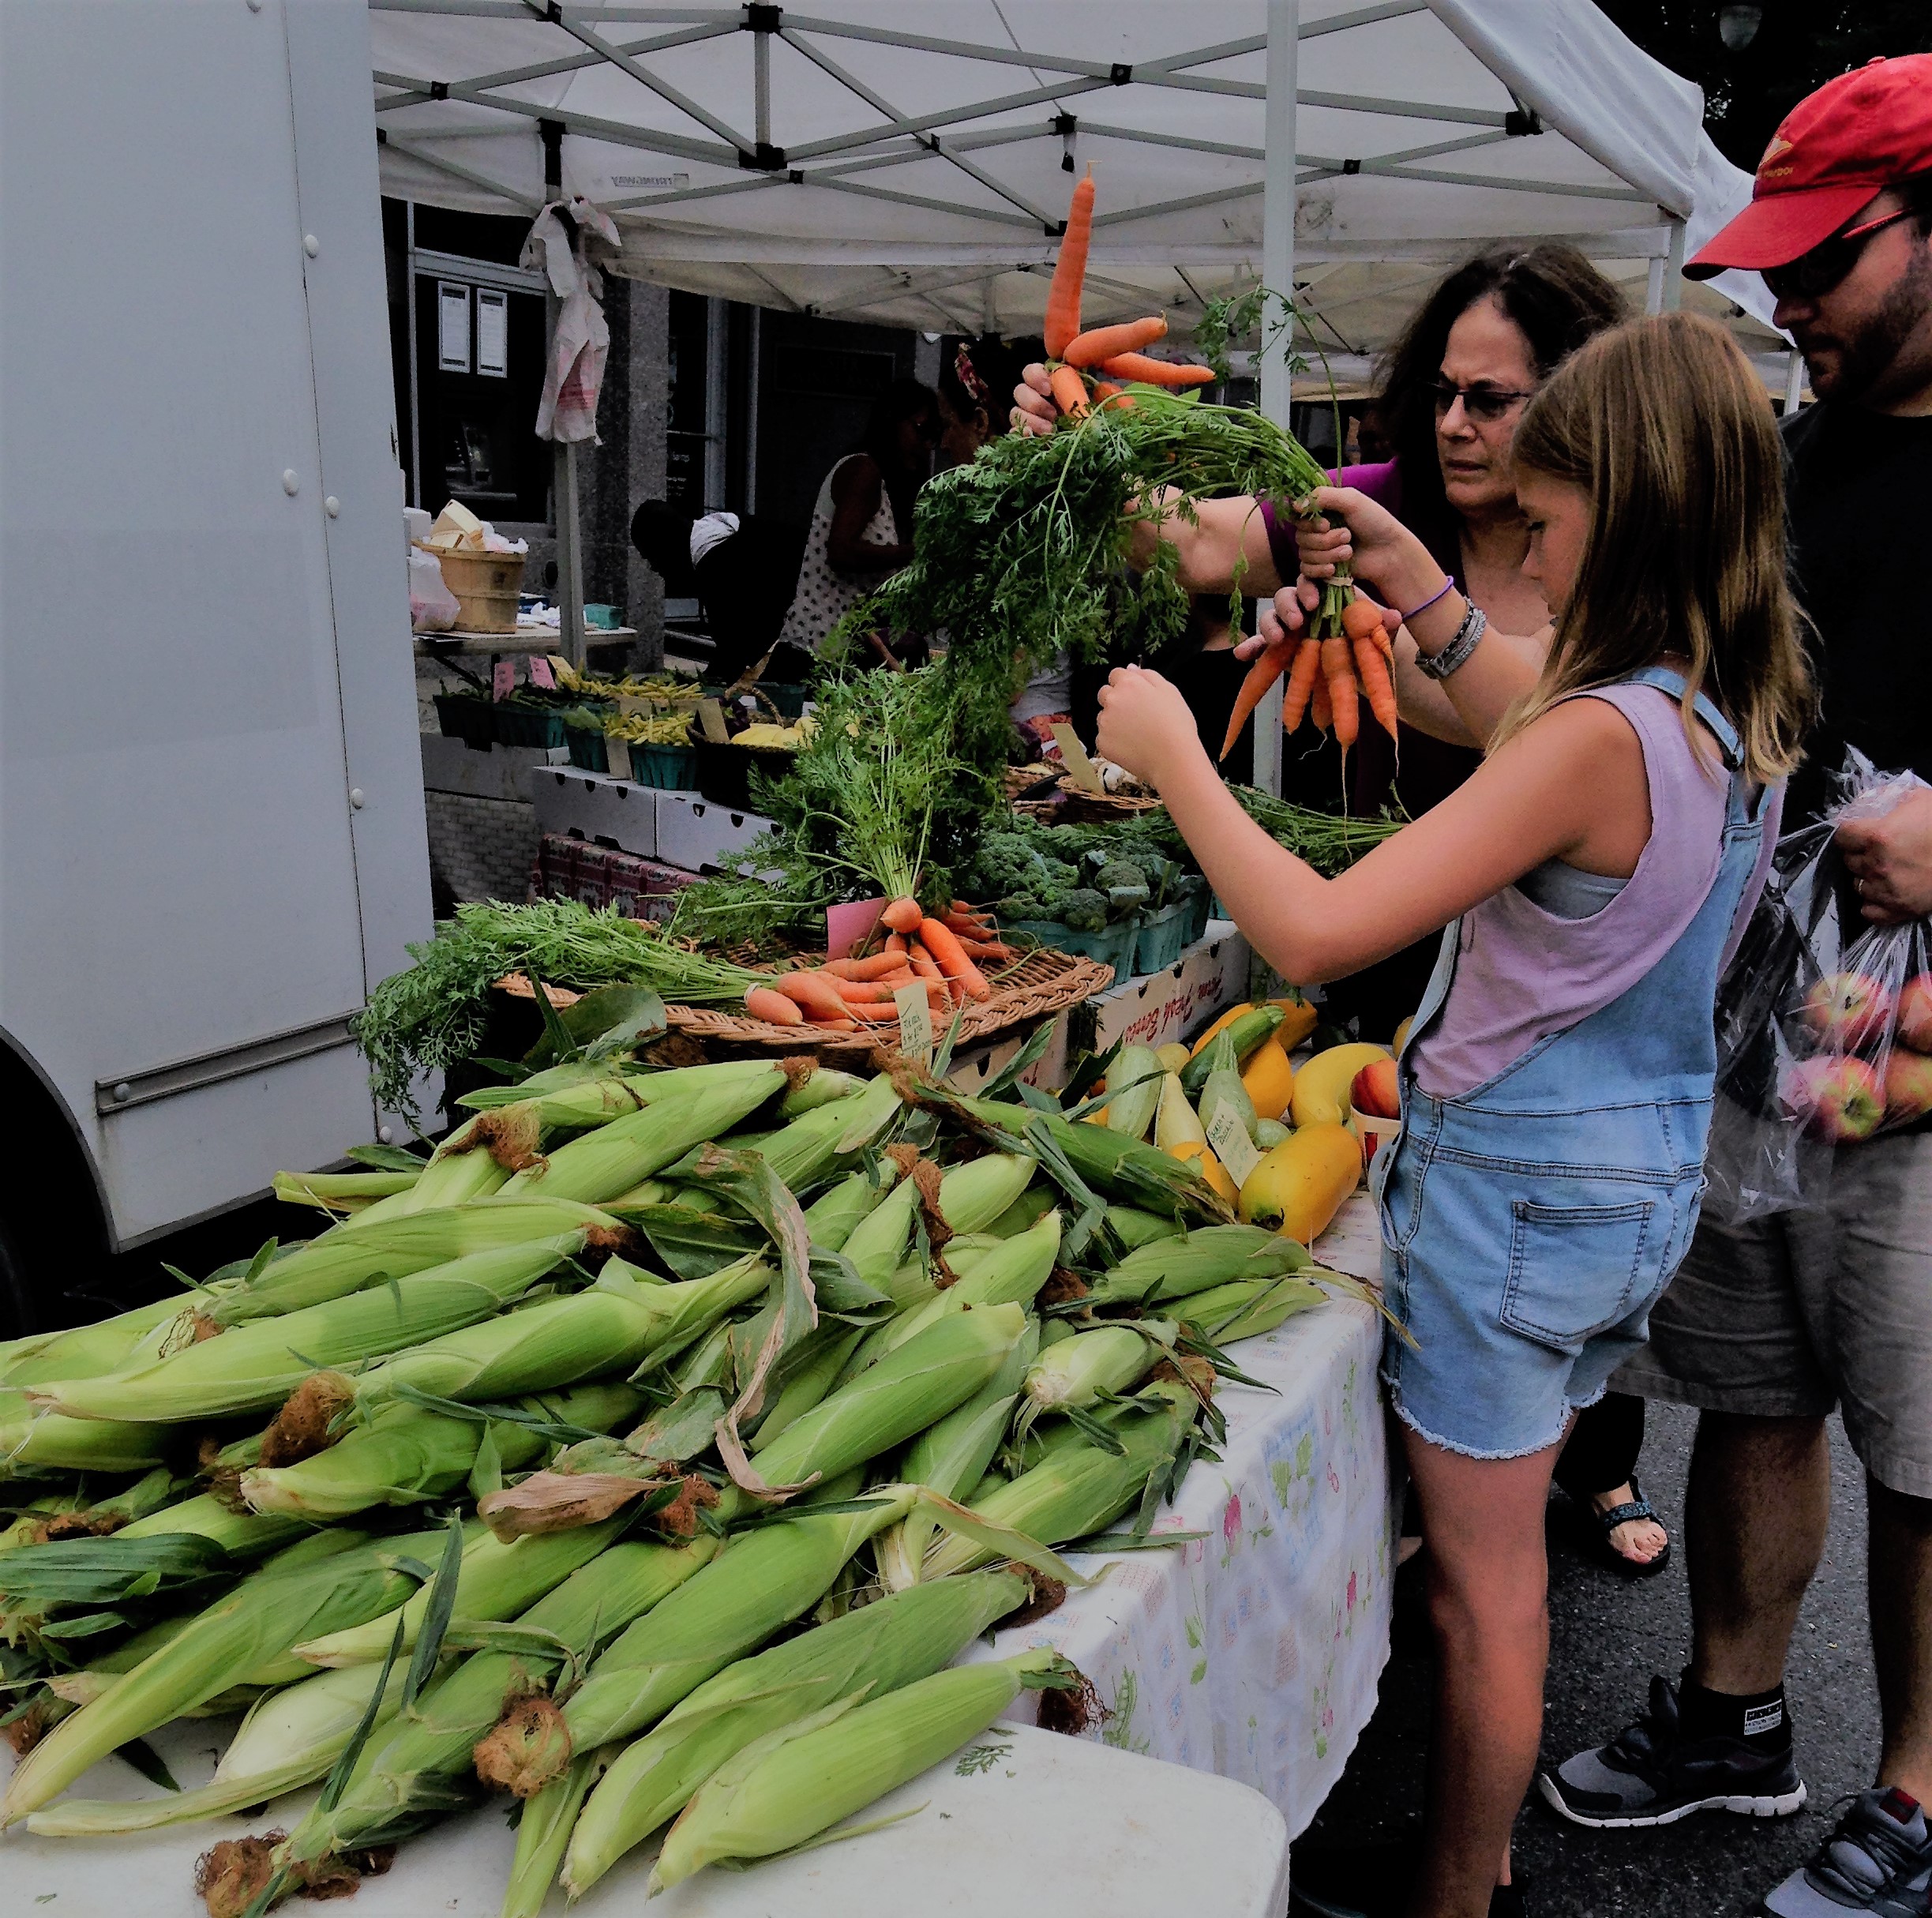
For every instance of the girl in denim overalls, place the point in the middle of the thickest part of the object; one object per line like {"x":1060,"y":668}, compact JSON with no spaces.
{"x":1557,"y":1078}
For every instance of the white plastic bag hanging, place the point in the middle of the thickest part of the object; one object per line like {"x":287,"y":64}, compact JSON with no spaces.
{"x":573,"y":376}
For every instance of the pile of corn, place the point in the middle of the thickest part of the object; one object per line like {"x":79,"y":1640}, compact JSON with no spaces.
{"x":525,"y":1474}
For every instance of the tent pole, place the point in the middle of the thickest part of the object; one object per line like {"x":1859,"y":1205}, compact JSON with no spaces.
{"x":564,"y":454}
{"x":1674,"y":270}
{"x":1653,"y":290}
{"x":1278,"y":273}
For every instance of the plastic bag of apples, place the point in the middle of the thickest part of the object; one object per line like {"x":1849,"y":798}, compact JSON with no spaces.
{"x":1824,"y":1021}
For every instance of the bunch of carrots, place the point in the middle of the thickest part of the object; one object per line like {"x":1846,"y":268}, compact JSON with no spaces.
{"x":843,"y":994}
{"x":1346,"y":656}
{"x":1075,"y":358}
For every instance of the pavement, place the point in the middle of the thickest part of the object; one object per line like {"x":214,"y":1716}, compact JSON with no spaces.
{"x":1607,"y":1637}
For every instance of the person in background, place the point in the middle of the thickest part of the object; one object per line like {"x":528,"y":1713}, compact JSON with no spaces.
{"x":1771,"y":1325}
{"x":862,"y":522}
{"x":1454,"y":385}
{"x":739,"y":568}
{"x":970,"y":378}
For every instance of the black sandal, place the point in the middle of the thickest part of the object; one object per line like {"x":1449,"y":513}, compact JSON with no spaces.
{"x":1606,"y":1522}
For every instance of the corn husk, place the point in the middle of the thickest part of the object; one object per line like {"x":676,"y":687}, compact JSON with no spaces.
{"x":425,"y":1765}
{"x":883,"y":1646}
{"x":1171,"y":1268}
{"x":1248,"y":1307}
{"x":250,"y":1367}
{"x":1114,"y":1358}
{"x":32,"y":1441}
{"x":832,"y":1218}
{"x":789,"y":1786}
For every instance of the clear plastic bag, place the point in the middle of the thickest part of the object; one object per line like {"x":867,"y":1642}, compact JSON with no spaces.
{"x":1824,"y":1021}
{"x":432,"y":606}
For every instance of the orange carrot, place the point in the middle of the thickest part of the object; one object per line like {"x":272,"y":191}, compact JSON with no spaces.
{"x":840,"y":968}
{"x":895,"y":942}
{"x":875,"y":1015}
{"x":1374,"y":676}
{"x":1300,"y":685}
{"x":1361,"y":618}
{"x":763,"y":1002}
{"x":862,"y":991}
{"x":819,"y":996}
{"x":878,"y":967}
{"x":927,"y":969}
{"x":1339,"y":670}
{"x":964,"y":920}
{"x":1155,"y":372}
{"x":903,"y":915}
{"x":988,"y":949}
{"x":1269,"y":664}
{"x":1069,"y":391}
{"x":1320,"y":710}
{"x":1109,"y":342}
{"x":950,"y":958}
{"x":1062,"y":326}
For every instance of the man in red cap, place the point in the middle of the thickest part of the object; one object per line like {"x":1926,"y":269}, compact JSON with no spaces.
{"x":1768,"y":1327}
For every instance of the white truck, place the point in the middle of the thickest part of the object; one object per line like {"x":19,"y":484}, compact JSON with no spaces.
{"x":211,"y":838}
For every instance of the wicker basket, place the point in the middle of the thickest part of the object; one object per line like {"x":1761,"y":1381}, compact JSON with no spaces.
{"x":1044,"y":981}
{"x":1076,"y":806}
{"x":487,"y":586}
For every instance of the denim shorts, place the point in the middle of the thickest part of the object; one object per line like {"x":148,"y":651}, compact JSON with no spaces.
{"x":1522,"y":1286}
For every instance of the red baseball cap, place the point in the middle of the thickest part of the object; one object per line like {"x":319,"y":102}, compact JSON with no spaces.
{"x":1864,"y":131}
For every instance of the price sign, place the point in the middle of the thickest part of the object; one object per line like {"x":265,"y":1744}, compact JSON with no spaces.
{"x":540,"y":673}
{"x":915,"y":1014}
{"x":1232,"y":1146}
{"x":502,"y":678}
{"x":1084,"y":772}
{"x":618,"y":757}
{"x":711,"y":718}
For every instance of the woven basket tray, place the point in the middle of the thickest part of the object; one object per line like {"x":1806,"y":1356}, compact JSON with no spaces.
{"x":1077,"y":806}
{"x":1044,"y":981}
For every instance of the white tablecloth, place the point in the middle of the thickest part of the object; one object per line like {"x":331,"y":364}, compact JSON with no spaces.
{"x":1256,"y":1651}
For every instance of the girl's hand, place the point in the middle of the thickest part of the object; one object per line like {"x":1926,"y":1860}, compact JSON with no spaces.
{"x":1033,"y":411}
{"x":1351,"y":529}
{"x":1144,"y":725}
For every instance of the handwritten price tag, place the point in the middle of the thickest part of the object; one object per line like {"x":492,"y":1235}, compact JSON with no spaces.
{"x":711,"y":718}
{"x":502,"y":679}
{"x":618,"y":757}
{"x":1231,"y":1143}
{"x":1082,"y":769}
{"x":915,"y":1014}
{"x":540,"y":673}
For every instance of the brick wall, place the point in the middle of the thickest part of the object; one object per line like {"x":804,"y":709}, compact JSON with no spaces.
{"x":479,"y":849}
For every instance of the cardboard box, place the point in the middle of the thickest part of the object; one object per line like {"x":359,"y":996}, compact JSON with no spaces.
{"x":593,"y":807}
{"x":1211,"y":975}
{"x":503,"y":772}
{"x":972,"y":1068}
{"x":700,"y":835}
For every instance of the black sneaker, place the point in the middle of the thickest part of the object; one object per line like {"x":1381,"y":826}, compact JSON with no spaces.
{"x":1647,"y":1775}
{"x":1879,"y":1860}
{"x":1365,"y":1882}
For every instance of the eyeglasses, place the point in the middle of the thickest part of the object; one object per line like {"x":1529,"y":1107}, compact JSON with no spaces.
{"x":1812,"y":274}
{"x":1484,"y":405}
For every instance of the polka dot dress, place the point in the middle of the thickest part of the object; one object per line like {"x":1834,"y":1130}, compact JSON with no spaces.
{"x":825,"y":594}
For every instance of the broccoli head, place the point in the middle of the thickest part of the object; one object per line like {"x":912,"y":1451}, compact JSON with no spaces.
{"x":1125,"y":883}
{"x":1084,"y":910}
{"x":1007,"y":864}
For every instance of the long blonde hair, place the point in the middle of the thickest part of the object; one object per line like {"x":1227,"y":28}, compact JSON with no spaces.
{"x":1666,"y":426}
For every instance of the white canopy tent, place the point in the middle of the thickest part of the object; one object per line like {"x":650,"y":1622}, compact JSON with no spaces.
{"x":908,"y":161}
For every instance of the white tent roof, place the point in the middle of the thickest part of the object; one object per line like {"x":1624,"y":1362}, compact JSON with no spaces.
{"x":901,"y":159}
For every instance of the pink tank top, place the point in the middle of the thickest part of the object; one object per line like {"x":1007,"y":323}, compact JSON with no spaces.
{"x":1523,"y":973}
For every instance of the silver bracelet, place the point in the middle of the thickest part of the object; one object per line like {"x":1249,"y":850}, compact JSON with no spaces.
{"x":1456,"y":654}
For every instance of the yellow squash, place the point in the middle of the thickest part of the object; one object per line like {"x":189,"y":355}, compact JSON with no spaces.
{"x":1199,"y":1153}
{"x":1270,"y":1078}
{"x":1299,"y":1019}
{"x":1299,"y":1187}
{"x":1321,"y":1095}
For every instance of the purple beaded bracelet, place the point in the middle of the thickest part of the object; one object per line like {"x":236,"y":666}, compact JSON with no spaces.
{"x":1447,"y":587}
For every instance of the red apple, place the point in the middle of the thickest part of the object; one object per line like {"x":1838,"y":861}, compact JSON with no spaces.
{"x":1377,"y":1091}
{"x":1838,"y":1098}
{"x":1847,"y":1009}
{"x":1908,"y":1086}
{"x":1914,"y":1027}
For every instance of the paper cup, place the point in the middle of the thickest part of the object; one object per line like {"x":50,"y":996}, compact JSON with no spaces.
{"x":1372,"y":1129}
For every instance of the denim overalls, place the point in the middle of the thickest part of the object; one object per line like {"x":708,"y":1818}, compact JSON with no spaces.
{"x":1529,"y":1225}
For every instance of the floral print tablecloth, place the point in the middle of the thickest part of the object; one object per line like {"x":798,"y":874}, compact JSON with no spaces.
{"x":1256,"y":1651}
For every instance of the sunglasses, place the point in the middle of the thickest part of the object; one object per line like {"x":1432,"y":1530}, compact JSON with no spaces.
{"x":1484,"y":405}
{"x":1812,"y":274}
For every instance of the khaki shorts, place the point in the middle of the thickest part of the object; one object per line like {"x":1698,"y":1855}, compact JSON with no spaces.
{"x":1791,"y":1315}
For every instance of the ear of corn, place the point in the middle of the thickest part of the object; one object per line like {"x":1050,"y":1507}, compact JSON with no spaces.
{"x":790,"y":1786}
{"x":951,"y":1457}
{"x":1113,"y":1359}
{"x":803,"y":1151}
{"x":422,"y":1766}
{"x":821,"y":1358}
{"x":1025,"y":1211}
{"x":615,"y":1157}
{"x":766,"y":1578}
{"x":1077,"y":1489}
{"x":32,"y":1441}
{"x":1132,"y":1228}
{"x":251,"y":1367}
{"x":289,"y":1739}
{"x":885,"y":1646}
{"x":825,"y":1086}
{"x":405,"y":1453}
{"x":1208,"y":1255}
{"x":84,"y":1351}
{"x":341,"y":1191}
{"x":831,"y":1218}
{"x":929,"y":1375}
{"x":877,"y":1244}
{"x":549,"y":1817}
{"x":1248,"y":1307}
{"x":256,"y":1622}
{"x":973,"y":1196}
